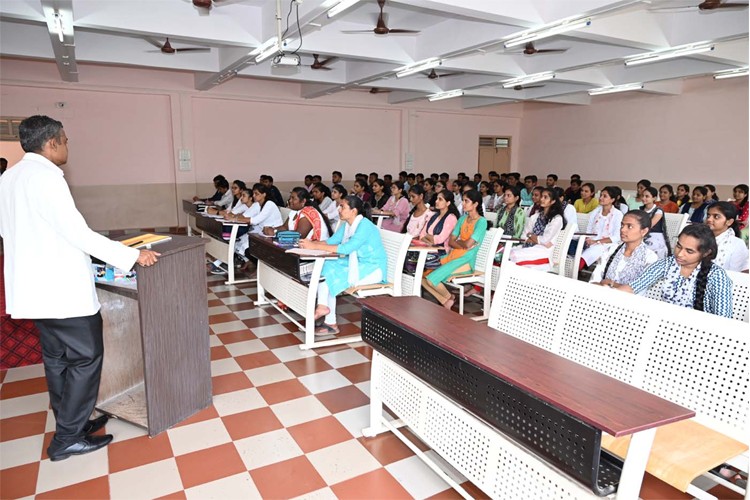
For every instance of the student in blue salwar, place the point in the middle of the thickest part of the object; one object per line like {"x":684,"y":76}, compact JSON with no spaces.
{"x":363,"y":260}
{"x":465,"y":240}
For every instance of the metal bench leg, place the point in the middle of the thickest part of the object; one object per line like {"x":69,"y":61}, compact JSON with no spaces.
{"x":376,"y":400}
{"x":635,"y":465}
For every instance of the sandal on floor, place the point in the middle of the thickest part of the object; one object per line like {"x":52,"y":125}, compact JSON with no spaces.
{"x":326,"y":330}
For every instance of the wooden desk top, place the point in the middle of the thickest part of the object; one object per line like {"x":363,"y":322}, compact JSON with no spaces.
{"x":597,"y":399}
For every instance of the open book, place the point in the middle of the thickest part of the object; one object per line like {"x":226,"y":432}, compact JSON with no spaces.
{"x":145,"y":239}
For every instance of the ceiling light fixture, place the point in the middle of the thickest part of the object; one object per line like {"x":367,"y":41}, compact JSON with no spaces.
{"x":445,"y":95}
{"x":616,"y":88}
{"x":527,"y":79}
{"x":555,"y":29}
{"x":266,"y":50}
{"x":410,"y":69}
{"x":341,"y":7}
{"x":225,"y":77}
{"x":686,"y":50}
{"x":59,"y":27}
{"x":730,"y":73}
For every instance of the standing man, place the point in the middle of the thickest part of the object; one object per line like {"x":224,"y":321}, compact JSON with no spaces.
{"x":42,"y":230}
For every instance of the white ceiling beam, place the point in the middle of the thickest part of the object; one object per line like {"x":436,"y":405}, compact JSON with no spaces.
{"x":469,"y":102}
{"x":667,"y":87}
{"x":581,"y":99}
{"x":59,"y":17}
{"x":404,"y":96}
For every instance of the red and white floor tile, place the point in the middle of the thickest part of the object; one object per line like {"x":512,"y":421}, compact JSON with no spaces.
{"x":284,"y":423}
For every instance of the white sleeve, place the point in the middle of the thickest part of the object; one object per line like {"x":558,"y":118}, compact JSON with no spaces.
{"x":738,"y":258}
{"x":614,"y":227}
{"x":551,"y":231}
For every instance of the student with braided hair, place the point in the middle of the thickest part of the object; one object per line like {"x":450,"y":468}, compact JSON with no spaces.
{"x":689,"y":278}
{"x":625,"y":262}
{"x":657,"y":239}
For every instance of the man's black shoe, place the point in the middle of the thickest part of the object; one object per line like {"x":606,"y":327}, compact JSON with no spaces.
{"x":94,"y":425}
{"x":85,"y":445}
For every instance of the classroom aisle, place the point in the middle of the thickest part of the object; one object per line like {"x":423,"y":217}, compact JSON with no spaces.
{"x":285,"y":423}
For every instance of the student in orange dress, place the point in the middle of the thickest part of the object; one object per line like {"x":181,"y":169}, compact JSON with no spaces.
{"x":667,"y":200}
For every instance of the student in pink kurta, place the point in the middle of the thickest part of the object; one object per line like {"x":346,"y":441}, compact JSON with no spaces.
{"x":397,"y":207}
{"x":440,"y":225}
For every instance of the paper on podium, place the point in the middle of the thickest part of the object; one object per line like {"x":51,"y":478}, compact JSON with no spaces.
{"x":146,"y":239}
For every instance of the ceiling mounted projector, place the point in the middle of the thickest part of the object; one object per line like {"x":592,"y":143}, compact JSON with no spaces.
{"x":286,"y":60}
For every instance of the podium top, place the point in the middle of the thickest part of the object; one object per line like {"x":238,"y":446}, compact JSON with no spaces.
{"x":175,"y":245}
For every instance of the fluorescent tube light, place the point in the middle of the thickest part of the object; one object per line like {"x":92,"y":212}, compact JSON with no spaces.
{"x":616,"y":88}
{"x":410,"y":69}
{"x":445,"y":95}
{"x":731,"y":73}
{"x":340,"y":7}
{"x":668,"y":54}
{"x":225,"y":77}
{"x":59,"y":27}
{"x":538,"y":34}
{"x":525,"y":80}
{"x":265,"y":50}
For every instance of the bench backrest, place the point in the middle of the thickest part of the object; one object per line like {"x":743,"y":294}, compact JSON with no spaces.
{"x":692,"y":358}
{"x":487,"y":251}
{"x":740,"y":294}
{"x":560,"y":250}
{"x":285,"y":211}
{"x":492,"y":217}
{"x":674,"y":223}
{"x":583,"y":222}
{"x":396,"y":245}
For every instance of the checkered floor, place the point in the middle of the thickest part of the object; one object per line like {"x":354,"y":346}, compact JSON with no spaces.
{"x":284,"y":423}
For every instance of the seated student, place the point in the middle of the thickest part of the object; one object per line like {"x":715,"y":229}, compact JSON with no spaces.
{"x":372,"y":178}
{"x":667,"y":200}
{"x":496,"y":200}
{"x":361,"y":190}
{"x":308,"y":220}
{"x":634,"y":202}
{"x":322,"y":196}
{"x":465,"y":240}
{"x":711,"y":196}
{"x":379,"y":195}
{"x":689,"y":277}
{"x":529,"y":184}
{"x":621,"y":203}
{"x":397,"y":207}
{"x":536,"y":196}
{"x":587,"y":202}
{"x":552,"y":180}
{"x":443,"y":219}
{"x":511,"y":219}
{"x":261,"y":213}
{"x":540,"y":231}
{"x":317,"y":178}
{"x":364,"y":261}
{"x":696,"y":210}
{"x":222,"y":187}
{"x":683,"y":195}
{"x":657,"y":239}
{"x":309,"y":182}
{"x":604,"y":224}
{"x":484,"y":190}
{"x":419,"y":215}
{"x":740,"y":200}
{"x":429,"y":192}
{"x":274,"y":194}
{"x":217,"y":195}
{"x":236,"y":188}
{"x":623,"y":263}
{"x":732,"y":253}
{"x":336,"y":177}
{"x":573,"y":193}
{"x":570,"y":214}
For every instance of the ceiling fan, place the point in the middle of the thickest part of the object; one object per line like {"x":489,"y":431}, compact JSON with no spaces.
{"x":167,"y":48}
{"x":318,"y":64}
{"x":373,"y":90}
{"x":380,"y":27}
{"x":433,"y":75}
{"x":524,"y":87}
{"x":530,"y":50}
{"x":706,"y":5}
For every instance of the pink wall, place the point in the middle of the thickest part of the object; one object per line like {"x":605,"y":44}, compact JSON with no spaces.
{"x":115,"y":137}
{"x":699,"y":136}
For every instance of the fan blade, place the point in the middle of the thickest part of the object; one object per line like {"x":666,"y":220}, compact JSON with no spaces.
{"x":329,"y":60}
{"x":154,"y":42}
{"x":731,"y":6}
{"x":532,"y":87}
{"x":193,"y":49}
{"x":321,"y":67}
{"x":550,"y":51}
{"x":403,"y":31}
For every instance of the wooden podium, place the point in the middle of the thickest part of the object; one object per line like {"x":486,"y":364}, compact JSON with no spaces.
{"x":157,"y":366}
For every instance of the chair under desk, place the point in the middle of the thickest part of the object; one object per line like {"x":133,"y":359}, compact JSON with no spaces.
{"x":515,"y":419}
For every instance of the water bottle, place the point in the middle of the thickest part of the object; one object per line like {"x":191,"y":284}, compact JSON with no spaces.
{"x":109,"y":273}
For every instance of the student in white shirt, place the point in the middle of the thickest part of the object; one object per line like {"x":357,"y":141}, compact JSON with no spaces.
{"x":260,"y":214}
{"x":42,"y":230}
{"x":732,"y":253}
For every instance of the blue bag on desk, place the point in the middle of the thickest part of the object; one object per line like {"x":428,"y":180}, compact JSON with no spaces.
{"x":288,"y":238}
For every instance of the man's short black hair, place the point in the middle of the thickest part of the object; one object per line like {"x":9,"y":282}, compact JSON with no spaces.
{"x":388,"y":177}
{"x":222,"y":183}
{"x":35,"y":131}
{"x":336,"y":172}
{"x":553,"y":176}
{"x":575,"y":176}
{"x":531,"y":178}
{"x":269,"y":179}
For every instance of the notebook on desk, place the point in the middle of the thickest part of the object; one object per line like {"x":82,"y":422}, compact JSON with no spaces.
{"x":144,"y":240}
